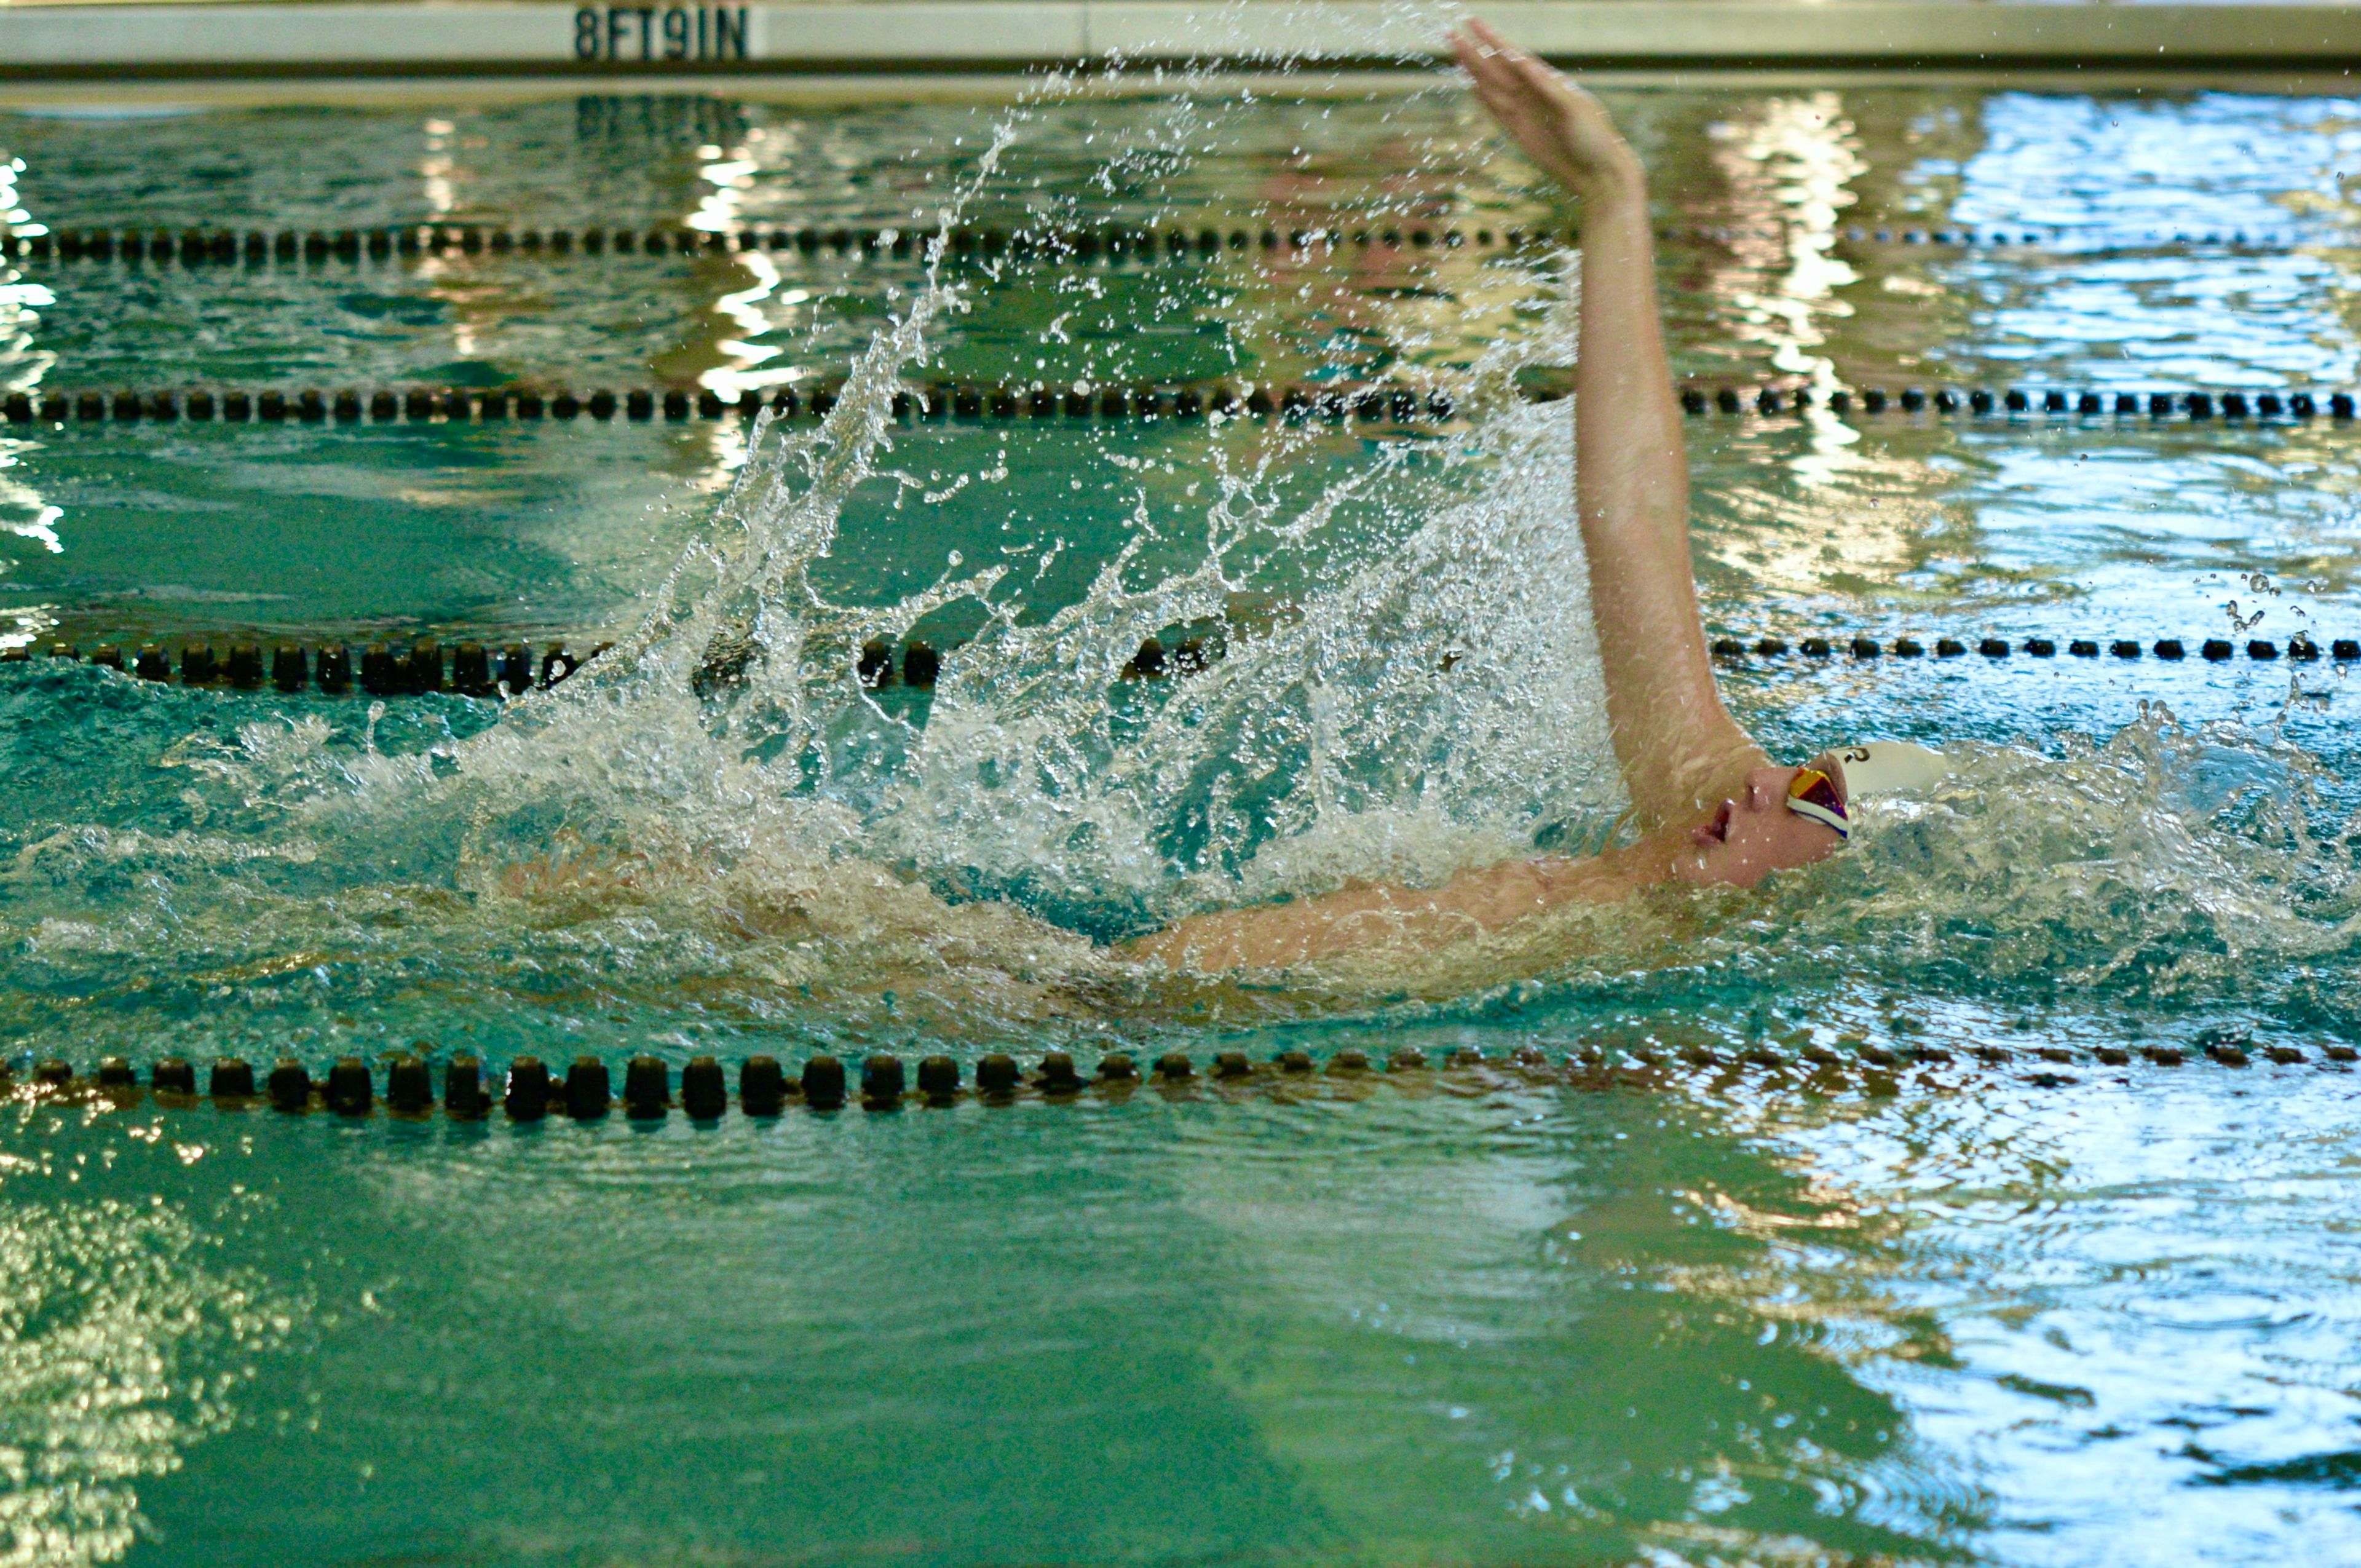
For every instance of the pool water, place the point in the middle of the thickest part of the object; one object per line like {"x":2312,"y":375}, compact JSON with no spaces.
{"x":2075,"y":1307}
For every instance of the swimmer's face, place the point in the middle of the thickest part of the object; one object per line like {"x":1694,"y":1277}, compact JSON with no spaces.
{"x":1753,"y":834}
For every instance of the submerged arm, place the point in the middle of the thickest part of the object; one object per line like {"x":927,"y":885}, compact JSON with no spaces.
{"x":1280,"y":935}
{"x":1677,"y":745}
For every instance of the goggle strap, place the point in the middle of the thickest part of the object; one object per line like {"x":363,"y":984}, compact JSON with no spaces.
{"x":1821,"y":815}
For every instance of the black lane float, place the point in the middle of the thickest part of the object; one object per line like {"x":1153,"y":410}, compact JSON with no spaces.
{"x":378,"y":669}
{"x":2018,"y":403}
{"x":1370,"y":402}
{"x":1015,"y":399}
{"x":1110,"y":243}
{"x":474,"y":669}
{"x":403,"y":1084}
{"x":2301,"y":649}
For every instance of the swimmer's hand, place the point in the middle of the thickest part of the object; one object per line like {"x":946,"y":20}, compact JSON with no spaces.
{"x":1561,"y":128}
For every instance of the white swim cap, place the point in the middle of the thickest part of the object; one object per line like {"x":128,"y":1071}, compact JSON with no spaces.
{"x":1890,"y":767}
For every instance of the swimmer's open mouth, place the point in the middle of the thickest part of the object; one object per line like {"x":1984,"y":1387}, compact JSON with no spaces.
{"x":1718,"y":830}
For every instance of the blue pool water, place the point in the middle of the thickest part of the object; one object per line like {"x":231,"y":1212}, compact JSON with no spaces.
{"x":1906,"y":1303}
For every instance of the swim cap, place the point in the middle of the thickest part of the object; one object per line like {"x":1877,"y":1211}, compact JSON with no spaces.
{"x":1890,"y":767}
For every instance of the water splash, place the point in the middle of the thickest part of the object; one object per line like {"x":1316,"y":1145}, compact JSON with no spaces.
{"x":2166,"y":863}
{"x":1428,"y":698}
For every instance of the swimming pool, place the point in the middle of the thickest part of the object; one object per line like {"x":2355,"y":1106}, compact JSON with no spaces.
{"x":1787,"y":1272}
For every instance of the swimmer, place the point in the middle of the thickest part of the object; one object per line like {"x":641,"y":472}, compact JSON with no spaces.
{"x":1711,"y":807}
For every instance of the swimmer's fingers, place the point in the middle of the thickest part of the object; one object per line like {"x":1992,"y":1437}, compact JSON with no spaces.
{"x":1497,"y":60}
{"x":1527,"y":126}
{"x":1498,"y":71}
{"x":1497,"y":84}
{"x":1561,"y":128}
{"x":1514,"y":115}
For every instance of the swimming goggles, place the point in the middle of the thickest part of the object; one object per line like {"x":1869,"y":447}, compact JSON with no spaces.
{"x":1813,"y":793}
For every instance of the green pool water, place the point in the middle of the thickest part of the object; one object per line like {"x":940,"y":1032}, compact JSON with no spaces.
{"x":2019,"y":1308}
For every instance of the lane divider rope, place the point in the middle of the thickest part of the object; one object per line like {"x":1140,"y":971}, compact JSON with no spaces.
{"x":1371,"y":402}
{"x":473,"y":669}
{"x":2301,"y":649}
{"x":2083,"y":403}
{"x":529,"y":1091}
{"x":381,"y":669}
{"x":1111,"y":242}
{"x":2092,"y":240}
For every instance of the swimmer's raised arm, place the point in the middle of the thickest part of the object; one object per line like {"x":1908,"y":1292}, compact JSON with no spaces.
{"x":1713,"y":807}
{"x":1679,"y":750}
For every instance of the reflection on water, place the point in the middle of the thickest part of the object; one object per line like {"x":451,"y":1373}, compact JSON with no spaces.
{"x":2046,"y":526}
{"x":2034,"y":1316}
{"x":2039,"y":1325}
{"x":1506,"y":1325}
{"x":125,"y":1333}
